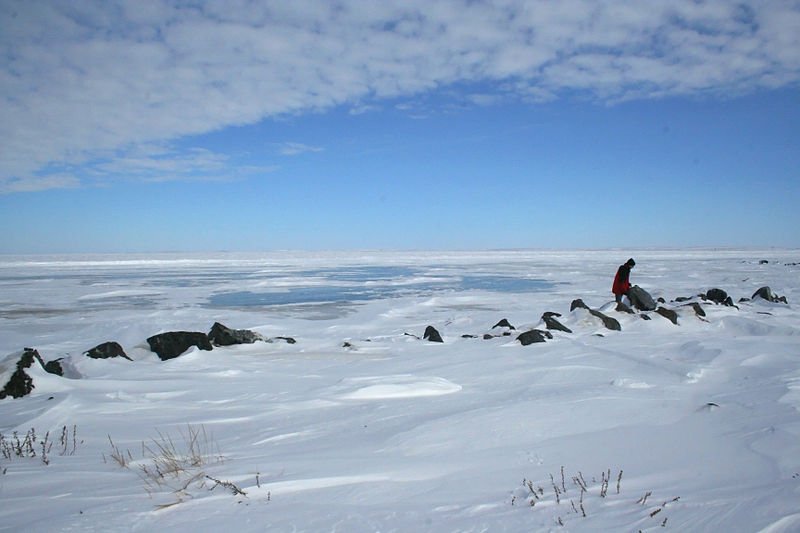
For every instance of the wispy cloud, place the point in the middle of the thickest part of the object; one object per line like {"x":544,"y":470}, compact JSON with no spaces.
{"x":96,"y":76}
{"x":292,"y":148}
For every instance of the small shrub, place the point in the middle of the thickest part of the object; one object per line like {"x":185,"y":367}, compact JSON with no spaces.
{"x":534,"y":494}
{"x":32,"y":445}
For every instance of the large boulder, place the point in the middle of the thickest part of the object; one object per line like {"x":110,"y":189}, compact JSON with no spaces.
{"x":221,"y":335}
{"x":641,"y":299}
{"x":533,"y":336}
{"x":171,"y":344}
{"x":432,"y":335}
{"x":107,"y":350}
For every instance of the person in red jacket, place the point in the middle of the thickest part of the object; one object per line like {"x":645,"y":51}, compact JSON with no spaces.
{"x":622,"y":281}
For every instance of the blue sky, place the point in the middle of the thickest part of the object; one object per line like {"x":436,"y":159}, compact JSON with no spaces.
{"x":196,"y":126}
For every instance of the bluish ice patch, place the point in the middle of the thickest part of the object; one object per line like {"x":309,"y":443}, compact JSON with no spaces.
{"x":372,"y":283}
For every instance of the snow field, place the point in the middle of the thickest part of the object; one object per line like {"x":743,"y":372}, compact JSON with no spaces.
{"x":397,"y":434}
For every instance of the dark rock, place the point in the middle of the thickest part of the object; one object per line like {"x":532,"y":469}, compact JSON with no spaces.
{"x":107,"y":350}
{"x":171,"y":344}
{"x":551,"y":323}
{"x":645,"y":316}
{"x":717,"y":295}
{"x":767,"y":294}
{"x":487,"y":336}
{"x":577,"y":304}
{"x":534,"y":335}
{"x":698,"y":309}
{"x":669,"y":314}
{"x":19,"y":383}
{"x":54,"y":367}
{"x":681,"y":299}
{"x":763,"y":262}
{"x":661,"y":300}
{"x":743,"y":300}
{"x":468,"y":336}
{"x":431,"y":335}
{"x":551,"y":313}
{"x":622,"y":308}
{"x":288,"y":340}
{"x":608,"y":322}
{"x":729,"y":302}
{"x":346,"y":344}
{"x":221,"y":335}
{"x":503,"y":324}
{"x":641,"y":299}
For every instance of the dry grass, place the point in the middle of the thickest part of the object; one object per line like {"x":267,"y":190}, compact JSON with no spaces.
{"x":174,"y":464}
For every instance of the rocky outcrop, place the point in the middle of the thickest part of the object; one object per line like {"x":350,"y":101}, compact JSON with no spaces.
{"x":503,"y":324}
{"x":608,"y":322}
{"x":669,"y":314}
{"x":717,"y":296}
{"x":622,"y":308}
{"x":13,"y":368}
{"x":550,"y":322}
{"x":698,"y":309}
{"x":767,"y":294}
{"x":432,"y":335}
{"x":171,"y":344}
{"x":577,"y":304}
{"x":15,"y":372}
{"x":107,"y":350}
{"x":533,"y":336}
{"x":221,"y":335}
{"x":54,"y":367}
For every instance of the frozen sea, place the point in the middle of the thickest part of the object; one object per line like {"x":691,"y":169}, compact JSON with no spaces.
{"x":362,"y":426}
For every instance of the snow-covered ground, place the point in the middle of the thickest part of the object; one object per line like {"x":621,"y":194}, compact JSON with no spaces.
{"x":361,"y":427}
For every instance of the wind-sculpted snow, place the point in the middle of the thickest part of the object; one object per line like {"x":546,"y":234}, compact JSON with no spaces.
{"x":361,"y":425}
{"x":384,"y":387}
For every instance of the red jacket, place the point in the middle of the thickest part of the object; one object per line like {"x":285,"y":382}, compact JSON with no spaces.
{"x":622,"y":280}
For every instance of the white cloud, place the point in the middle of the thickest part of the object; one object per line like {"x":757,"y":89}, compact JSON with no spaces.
{"x":82,"y":78}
